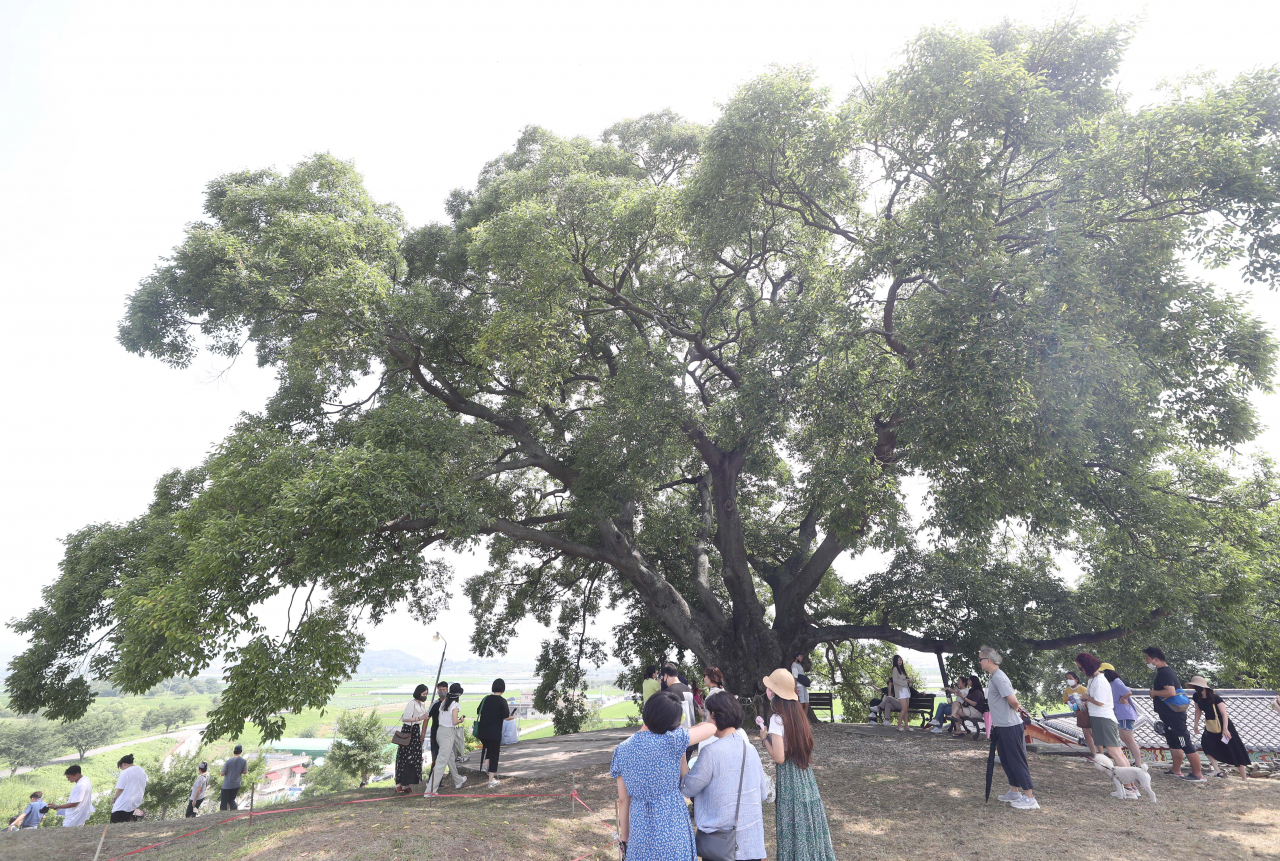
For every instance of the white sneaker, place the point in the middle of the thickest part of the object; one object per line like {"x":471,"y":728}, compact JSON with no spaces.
{"x":493,"y":784}
{"x":1132,"y":794}
{"x":937,"y":730}
{"x":430,"y":794}
{"x":1120,"y":794}
{"x":1025,"y":803}
{"x":460,"y":783}
{"x":1011,"y":795}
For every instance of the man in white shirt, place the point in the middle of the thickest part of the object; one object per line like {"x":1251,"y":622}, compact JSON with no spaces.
{"x":130,"y":787}
{"x":80,"y":804}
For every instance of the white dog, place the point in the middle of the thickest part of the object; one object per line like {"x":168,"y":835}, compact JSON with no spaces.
{"x":1127,"y":774}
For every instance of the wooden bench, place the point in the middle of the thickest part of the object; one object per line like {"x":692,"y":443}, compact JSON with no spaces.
{"x":919,"y":704}
{"x":823,"y":700}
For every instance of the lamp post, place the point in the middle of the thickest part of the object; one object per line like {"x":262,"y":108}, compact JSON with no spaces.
{"x":440,"y":668}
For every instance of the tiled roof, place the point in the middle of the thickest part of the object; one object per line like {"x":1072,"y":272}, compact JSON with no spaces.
{"x":1250,"y":711}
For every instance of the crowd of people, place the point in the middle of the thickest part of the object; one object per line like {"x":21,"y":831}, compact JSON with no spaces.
{"x":1106,"y":715}
{"x":130,"y":789}
{"x":726,"y":781}
{"x":442,"y":723}
{"x":692,"y":745}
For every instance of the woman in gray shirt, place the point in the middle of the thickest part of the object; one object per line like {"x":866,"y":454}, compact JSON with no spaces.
{"x":712,"y":783}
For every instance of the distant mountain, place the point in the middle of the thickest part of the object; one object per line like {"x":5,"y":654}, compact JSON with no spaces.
{"x":390,"y":662}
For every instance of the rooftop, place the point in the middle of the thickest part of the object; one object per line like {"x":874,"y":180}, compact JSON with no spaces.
{"x":1250,"y":711}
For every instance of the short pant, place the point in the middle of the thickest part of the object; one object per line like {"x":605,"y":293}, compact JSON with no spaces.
{"x":1126,"y":723}
{"x":1175,"y":730}
{"x":1105,"y":733}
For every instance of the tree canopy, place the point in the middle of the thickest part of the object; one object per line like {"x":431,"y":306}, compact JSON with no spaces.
{"x":684,"y":370}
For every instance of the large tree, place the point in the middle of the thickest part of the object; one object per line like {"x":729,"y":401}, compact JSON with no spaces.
{"x":684,"y":370}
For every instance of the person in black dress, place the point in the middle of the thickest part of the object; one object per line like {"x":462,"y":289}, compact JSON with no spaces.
{"x":494,"y":709}
{"x":1223,"y":746}
{"x":409,"y":756}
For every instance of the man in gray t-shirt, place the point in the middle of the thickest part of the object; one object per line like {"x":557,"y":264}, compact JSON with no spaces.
{"x":232,"y":772}
{"x":1006,"y":732}
{"x":998,"y":691}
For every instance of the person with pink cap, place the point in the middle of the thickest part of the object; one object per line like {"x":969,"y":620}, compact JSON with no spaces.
{"x":801,"y":820}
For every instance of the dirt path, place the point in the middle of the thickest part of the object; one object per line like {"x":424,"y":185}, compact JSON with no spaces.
{"x":881,"y":794}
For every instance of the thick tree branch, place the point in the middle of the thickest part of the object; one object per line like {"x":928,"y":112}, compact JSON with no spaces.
{"x":831,"y":633}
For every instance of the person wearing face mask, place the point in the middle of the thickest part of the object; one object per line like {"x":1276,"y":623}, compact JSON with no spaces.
{"x":1164,"y":686}
{"x":409,"y":756}
{"x":442,"y":694}
{"x":1074,"y":697}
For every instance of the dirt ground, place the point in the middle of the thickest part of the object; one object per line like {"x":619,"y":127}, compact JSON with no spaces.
{"x":912,"y":795}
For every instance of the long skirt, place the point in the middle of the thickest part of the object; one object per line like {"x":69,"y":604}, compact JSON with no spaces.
{"x":802,"y":822}
{"x":409,"y":757}
{"x":1228,"y":753}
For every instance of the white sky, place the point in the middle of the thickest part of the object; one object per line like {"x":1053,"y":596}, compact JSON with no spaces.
{"x":113,"y":116}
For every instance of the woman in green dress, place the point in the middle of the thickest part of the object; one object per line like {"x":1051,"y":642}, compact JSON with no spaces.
{"x":801,"y":819}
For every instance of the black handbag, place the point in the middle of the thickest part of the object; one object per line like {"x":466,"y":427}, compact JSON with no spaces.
{"x":723,"y":845}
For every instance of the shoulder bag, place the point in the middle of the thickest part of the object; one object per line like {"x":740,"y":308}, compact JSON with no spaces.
{"x":1179,"y":702}
{"x":1214,"y":726}
{"x":723,"y":845}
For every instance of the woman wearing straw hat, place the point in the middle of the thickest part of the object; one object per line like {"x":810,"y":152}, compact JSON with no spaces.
{"x":1219,"y":741}
{"x":801,"y":820}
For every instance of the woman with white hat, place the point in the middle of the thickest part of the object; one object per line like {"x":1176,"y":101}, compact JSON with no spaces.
{"x":801,"y":820}
{"x":1219,"y":741}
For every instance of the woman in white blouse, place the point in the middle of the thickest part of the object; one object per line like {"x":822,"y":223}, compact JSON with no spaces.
{"x":409,"y":756}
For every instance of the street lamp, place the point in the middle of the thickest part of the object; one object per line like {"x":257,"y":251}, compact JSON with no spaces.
{"x":440,"y":668}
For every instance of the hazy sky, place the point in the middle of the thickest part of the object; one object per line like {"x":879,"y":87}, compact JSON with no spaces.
{"x":113,"y":116}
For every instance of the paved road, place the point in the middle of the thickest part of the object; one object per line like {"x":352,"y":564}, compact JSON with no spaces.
{"x":190,"y":739}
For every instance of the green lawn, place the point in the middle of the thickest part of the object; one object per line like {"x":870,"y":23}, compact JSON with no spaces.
{"x":620,"y":710}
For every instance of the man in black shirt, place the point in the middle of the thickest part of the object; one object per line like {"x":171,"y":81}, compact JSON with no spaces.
{"x":1163,"y":686}
{"x":671,"y":681}
{"x":442,"y":692}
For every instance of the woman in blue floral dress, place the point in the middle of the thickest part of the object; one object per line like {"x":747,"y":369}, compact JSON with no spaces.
{"x":653,"y":820}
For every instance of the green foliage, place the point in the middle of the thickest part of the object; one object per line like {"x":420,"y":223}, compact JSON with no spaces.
{"x":360,"y":750}
{"x":100,"y":726}
{"x":326,"y":779}
{"x":681,"y":371}
{"x":27,"y":743}
{"x":169,"y":788}
{"x":167,"y":716}
{"x":855,"y":672}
